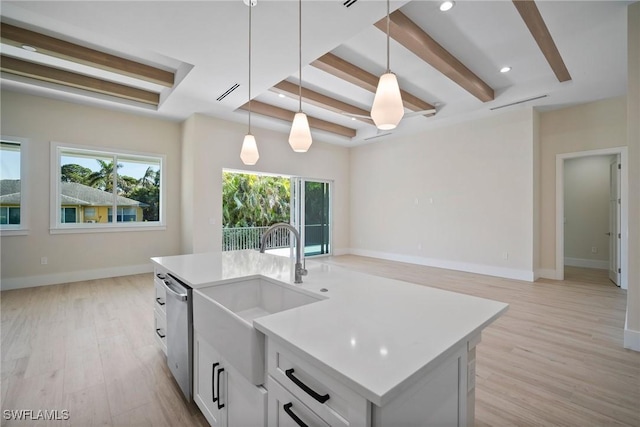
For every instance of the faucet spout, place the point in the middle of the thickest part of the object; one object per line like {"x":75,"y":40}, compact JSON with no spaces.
{"x":300,"y":271}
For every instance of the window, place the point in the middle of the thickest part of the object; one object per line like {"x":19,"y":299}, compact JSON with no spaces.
{"x":69,"y":215}
{"x":12,"y":188}
{"x":90,"y":185}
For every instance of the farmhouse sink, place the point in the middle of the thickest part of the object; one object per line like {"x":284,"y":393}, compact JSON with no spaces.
{"x":223,"y":315}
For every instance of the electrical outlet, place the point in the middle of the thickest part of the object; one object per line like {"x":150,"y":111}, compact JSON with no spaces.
{"x":505,"y":255}
{"x":44,"y":260}
{"x":594,"y":250}
{"x":419,"y":246}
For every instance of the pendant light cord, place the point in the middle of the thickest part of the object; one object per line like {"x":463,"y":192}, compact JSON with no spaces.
{"x":388,"y":19}
{"x":250,"y":7}
{"x":300,"y":52}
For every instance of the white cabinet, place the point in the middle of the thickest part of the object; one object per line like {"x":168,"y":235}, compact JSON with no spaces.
{"x":313,"y":390}
{"x":159,"y":311}
{"x":300,"y":393}
{"x":223,"y":395}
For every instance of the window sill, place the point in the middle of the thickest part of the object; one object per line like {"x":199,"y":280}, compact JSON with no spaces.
{"x":14,"y":232}
{"x":75,"y":229}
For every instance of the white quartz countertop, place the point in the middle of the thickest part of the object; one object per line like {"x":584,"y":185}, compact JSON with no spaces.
{"x":375,"y":335}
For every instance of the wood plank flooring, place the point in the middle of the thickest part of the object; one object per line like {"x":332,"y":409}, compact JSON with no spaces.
{"x":554,"y":359}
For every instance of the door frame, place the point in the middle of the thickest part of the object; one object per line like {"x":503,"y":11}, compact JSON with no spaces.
{"x":624,"y":210}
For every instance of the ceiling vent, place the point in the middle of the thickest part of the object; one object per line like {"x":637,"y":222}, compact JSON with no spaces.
{"x":349,"y":3}
{"x":227,"y":92}
{"x":519,"y":102}
{"x":377,"y":136}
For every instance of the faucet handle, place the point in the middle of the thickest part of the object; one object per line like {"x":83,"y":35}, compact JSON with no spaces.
{"x":303,"y":271}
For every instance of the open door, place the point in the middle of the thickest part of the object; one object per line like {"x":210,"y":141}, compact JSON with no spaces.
{"x":614,"y":220}
{"x":311,"y":214}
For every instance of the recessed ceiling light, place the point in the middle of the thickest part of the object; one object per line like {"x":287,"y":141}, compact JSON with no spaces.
{"x":446,"y":5}
{"x":29,"y":48}
{"x":505,"y":69}
{"x":281,"y":95}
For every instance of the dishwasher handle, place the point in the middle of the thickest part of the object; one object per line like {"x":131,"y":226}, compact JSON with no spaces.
{"x":173,"y":292}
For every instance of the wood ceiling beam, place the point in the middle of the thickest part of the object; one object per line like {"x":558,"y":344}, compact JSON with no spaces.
{"x":286,"y":115}
{"x":319,"y":100}
{"x":67,"y":78}
{"x":51,"y":46}
{"x":533,"y":19}
{"x":344,"y":70}
{"x":411,"y":36}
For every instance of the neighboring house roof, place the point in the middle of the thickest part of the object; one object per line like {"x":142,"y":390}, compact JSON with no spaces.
{"x":72,"y":194}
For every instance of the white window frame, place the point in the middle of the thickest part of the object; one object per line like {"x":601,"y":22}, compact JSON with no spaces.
{"x":21,"y":229}
{"x":58,"y":227}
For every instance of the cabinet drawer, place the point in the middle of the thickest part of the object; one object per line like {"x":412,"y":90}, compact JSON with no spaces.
{"x":286,"y":411}
{"x":334,"y":402}
{"x":160,"y":296}
{"x":160,"y":331}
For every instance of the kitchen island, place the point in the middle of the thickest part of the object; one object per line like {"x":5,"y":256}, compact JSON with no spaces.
{"x":386,"y":352}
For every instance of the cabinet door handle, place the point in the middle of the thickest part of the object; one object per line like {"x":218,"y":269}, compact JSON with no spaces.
{"x":320,"y":398}
{"x":294,"y":417}
{"x":220,"y":404}
{"x":159,"y":334}
{"x":213,"y":383}
{"x":159,"y":301}
{"x":161,"y":276}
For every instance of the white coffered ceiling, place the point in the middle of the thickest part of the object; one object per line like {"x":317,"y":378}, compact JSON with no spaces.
{"x":207,"y":43}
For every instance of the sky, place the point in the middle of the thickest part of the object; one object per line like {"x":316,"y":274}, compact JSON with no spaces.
{"x":129,"y":168}
{"x":9,"y":164}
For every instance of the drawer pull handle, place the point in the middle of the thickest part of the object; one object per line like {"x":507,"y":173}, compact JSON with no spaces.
{"x":161,"y":276}
{"x":294,"y":417}
{"x":159,"y":334}
{"x":220,"y":404}
{"x":213,"y":383}
{"x":159,"y":301}
{"x":320,"y":398}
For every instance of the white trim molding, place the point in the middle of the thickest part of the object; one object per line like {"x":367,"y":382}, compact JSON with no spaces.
{"x":624,"y":208}
{"x":588,"y":263}
{"x":488,"y":270}
{"x":73,"y":276}
{"x":631,"y":337}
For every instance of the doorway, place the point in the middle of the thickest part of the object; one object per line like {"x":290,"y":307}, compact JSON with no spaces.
{"x":617,"y":240}
{"x":311,"y":214}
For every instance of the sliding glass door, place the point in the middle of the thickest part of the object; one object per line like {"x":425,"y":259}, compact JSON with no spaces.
{"x":311,"y":214}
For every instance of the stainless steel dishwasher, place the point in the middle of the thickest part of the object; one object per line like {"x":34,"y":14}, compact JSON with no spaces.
{"x":179,"y":332}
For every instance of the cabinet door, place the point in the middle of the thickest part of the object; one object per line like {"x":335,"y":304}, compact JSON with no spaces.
{"x":210,"y":383}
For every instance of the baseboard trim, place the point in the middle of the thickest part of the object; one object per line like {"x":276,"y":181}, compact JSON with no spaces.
{"x":587,"y":263}
{"x":631,"y":337}
{"x":507,"y":273}
{"x":548,"y":273}
{"x":73,"y":276}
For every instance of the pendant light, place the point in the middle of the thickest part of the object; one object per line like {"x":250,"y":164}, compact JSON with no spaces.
{"x":387,"y":109}
{"x":300,"y":136}
{"x":249,"y":153}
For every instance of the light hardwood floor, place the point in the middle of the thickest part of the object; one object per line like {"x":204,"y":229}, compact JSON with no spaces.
{"x":554,"y":359}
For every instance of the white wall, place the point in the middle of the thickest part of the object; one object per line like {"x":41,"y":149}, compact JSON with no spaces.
{"x":586,"y":211}
{"x":632,"y":328}
{"x":586,"y":127}
{"x":457,"y":197}
{"x":85,"y":255}
{"x":211,"y":145}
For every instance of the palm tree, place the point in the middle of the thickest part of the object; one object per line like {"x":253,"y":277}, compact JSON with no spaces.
{"x":103,"y":178}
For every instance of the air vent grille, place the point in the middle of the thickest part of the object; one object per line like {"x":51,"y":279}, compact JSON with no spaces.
{"x":519,"y":102}
{"x":349,"y":3}
{"x":377,"y":136}
{"x":227,"y":92}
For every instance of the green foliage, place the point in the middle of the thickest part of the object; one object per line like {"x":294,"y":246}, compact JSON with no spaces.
{"x":145,"y":189}
{"x":254,"y":201}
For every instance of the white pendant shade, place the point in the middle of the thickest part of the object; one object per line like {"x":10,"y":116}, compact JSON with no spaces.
{"x":387,"y":109}
{"x":300,"y":136}
{"x":249,"y":153}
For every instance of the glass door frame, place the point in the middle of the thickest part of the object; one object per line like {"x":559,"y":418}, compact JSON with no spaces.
{"x":298,"y":207}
